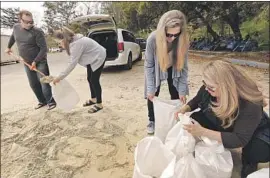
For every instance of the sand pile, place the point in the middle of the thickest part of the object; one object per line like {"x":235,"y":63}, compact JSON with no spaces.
{"x":44,"y":144}
{"x":56,"y":144}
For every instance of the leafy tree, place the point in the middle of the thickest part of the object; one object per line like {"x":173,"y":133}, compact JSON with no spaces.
{"x":50,"y":16}
{"x":59,"y":13}
{"x":66,"y":11}
{"x":9,"y":16}
{"x":214,"y":16}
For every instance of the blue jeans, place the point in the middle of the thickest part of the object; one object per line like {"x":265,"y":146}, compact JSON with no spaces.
{"x":42,"y":91}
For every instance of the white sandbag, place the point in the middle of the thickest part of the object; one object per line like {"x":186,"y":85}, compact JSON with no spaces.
{"x":214,"y":159}
{"x":178,"y":140}
{"x":65,"y":95}
{"x":262,"y":173}
{"x":187,"y":167}
{"x":164,"y":116}
{"x":153,"y":159}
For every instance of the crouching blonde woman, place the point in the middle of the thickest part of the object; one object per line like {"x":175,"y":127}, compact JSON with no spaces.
{"x":231,"y":113}
{"x":166,"y":59}
{"x":89,"y":54}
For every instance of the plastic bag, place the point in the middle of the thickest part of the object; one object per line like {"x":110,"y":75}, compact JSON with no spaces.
{"x":214,"y":159}
{"x":187,"y":167}
{"x":164,"y":116}
{"x":153,"y":159}
{"x":262,"y":173}
{"x":65,"y":95}
{"x":178,"y":140}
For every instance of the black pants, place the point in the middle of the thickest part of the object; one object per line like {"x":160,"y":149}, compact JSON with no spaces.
{"x":94,"y":83}
{"x":173,"y":92}
{"x":256,"y":151}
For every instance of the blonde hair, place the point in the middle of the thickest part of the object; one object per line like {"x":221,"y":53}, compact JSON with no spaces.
{"x":171,"y":19}
{"x":66,"y":35}
{"x":233,"y":84}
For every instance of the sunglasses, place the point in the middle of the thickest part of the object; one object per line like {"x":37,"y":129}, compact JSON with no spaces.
{"x":28,"y":22}
{"x":172,"y":35}
{"x":209,"y":88}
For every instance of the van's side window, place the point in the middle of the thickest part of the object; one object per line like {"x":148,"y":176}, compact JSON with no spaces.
{"x":125,"y":36}
{"x":128,"y":36}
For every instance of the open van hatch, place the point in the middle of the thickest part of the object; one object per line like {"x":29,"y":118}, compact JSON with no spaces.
{"x":96,"y":22}
{"x":102,"y":29}
{"x":107,"y":39}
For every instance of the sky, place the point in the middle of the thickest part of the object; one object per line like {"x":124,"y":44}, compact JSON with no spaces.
{"x":34,"y":7}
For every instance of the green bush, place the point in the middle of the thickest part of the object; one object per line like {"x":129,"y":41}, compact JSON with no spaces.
{"x":51,"y":43}
{"x":142,"y":34}
{"x":258,"y":24}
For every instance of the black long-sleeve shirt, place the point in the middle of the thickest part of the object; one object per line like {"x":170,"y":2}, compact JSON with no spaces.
{"x":239,"y":134}
{"x":31,"y":43}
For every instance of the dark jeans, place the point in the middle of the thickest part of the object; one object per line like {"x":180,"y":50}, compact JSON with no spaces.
{"x":256,"y":151}
{"x":173,"y":92}
{"x":94,"y":83}
{"x":42,"y":91}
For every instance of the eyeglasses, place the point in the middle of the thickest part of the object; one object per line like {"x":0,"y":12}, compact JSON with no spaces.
{"x":172,"y":35}
{"x":28,"y":22}
{"x":209,"y":88}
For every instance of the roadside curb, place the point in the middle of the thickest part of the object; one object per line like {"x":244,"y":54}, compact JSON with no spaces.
{"x":260,"y":65}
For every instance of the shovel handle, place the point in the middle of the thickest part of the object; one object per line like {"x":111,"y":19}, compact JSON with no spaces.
{"x":22,"y":60}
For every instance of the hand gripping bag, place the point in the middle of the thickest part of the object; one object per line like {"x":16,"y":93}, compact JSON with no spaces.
{"x":178,"y":140}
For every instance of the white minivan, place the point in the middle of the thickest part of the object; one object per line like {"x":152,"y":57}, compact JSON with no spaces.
{"x":120,"y":44}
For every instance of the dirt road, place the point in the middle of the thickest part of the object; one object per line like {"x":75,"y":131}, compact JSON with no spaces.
{"x":44,"y":144}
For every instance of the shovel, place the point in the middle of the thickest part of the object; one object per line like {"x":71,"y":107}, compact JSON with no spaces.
{"x":44,"y":79}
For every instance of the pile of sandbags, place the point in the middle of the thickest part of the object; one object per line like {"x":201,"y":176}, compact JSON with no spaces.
{"x":173,"y":152}
{"x":261,"y":173}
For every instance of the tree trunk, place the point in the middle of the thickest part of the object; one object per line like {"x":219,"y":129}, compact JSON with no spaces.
{"x":209,"y":28}
{"x":232,"y":18}
{"x":236,"y":30}
{"x":222,"y":26}
{"x":134,"y":20}
{"x":233,"y":21}
{"x":211,"y":31}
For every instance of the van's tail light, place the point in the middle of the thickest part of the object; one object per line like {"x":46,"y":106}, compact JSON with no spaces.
{"x":120,"y":47}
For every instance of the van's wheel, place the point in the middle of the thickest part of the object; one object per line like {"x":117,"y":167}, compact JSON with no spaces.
{"x":140,"y":57}
{"x":128,"y":66}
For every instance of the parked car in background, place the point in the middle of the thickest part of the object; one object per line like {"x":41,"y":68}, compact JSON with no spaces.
{"x":5,"y":58}
{"x":142,"y":43}
{"x":120,"y":44}
{"x":52,"y":50}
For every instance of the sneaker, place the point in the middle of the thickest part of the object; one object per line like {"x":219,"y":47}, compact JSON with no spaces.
{"x":151,"y":127}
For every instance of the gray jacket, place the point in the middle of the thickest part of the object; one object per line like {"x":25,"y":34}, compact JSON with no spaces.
{"x":153,"y":74}
{"x":84,"y":51}
{"x":31,"y":43}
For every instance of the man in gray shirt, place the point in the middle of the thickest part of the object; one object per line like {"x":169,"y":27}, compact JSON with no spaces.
{"x":33,"y":49}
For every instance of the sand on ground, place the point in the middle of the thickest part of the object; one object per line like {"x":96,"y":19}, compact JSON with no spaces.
{"x":44,"y":144}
